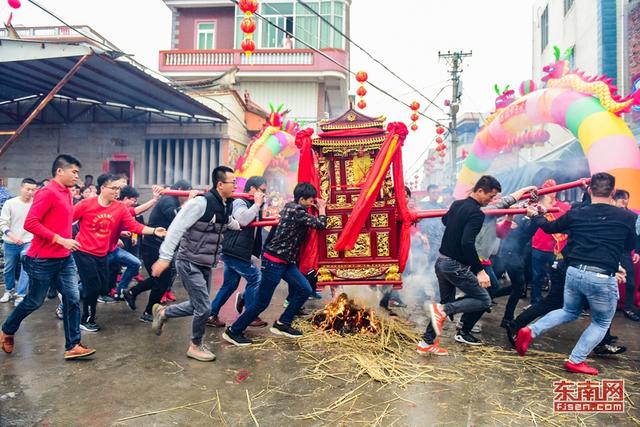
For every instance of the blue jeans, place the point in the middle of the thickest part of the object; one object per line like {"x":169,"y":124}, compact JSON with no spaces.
{"x":43,"y":272}
{"x":272,"y":273}
{"x":234,"y":269}
{"x":541,"y":263}
{"x":131,"y":264}
{"x":12,"y":255}
{"x":601,"y":292}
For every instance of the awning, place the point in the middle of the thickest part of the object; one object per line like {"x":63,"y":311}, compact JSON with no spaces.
{"x":29,"y":68}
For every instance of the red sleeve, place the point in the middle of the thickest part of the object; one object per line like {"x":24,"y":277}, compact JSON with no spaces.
{"x":129,"y":223}
{"x":503,"y":228}
{"x":33,"y":223}
{"x":79,"y":209}
{"x":132,"y":211}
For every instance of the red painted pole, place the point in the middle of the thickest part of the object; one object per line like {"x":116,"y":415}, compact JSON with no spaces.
{"x":560,"y":187}
{"x":435,"y":213}
{"x":185,"y":193}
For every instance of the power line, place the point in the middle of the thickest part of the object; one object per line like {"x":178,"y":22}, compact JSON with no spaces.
{"x":340,"y":65}
{"x":325,"y":20}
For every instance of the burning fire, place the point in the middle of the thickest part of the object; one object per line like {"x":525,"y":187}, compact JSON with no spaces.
{"x":345,"y":317}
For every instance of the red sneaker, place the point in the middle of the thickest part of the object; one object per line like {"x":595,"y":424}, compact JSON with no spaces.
{"x":523,"y":340}
{"x":580,"y":368}
{"x":138,"y":278}
{"x":170,"y":296}
{"x":424,"y":348}
{"x":163,"y":300}
{"x":438,"y":316}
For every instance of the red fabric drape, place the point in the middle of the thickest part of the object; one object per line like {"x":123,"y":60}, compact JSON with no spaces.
{"x":397,"y":132}
{"x":307,"y":172}
{"x":406,"y":216}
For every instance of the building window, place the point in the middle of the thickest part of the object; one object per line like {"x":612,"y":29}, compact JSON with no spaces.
{"x":168,"y":160}
{"x":544,"y":28}
{"x":206,"y":35}
{"x":567,"y":6}
{"x":299,"y":21}
{"x":572,"y":58}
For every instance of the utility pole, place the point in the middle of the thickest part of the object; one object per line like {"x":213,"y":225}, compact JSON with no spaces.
{"x":454,"y":61}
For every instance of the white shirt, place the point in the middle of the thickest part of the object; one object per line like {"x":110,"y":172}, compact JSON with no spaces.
{"x":14,"y":212}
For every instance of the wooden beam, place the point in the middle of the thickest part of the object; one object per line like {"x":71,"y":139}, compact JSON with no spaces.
{"x":43,"y":104}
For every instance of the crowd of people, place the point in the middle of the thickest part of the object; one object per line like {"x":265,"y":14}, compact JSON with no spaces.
{"x":84,"y":245}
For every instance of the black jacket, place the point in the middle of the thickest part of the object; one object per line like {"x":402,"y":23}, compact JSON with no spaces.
{"x":244,"y":243}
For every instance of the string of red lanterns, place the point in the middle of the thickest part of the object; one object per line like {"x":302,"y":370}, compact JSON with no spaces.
{"x":361,"y":77}
{"x":415,"y":106}
{"x":248,"y":25}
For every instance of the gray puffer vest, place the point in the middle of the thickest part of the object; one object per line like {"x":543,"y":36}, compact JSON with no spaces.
{"x":202,"y":243}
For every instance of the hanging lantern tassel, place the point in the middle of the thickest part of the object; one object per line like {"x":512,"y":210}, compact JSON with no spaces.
{"x":361,"y":77}
{"x":415,"y":106}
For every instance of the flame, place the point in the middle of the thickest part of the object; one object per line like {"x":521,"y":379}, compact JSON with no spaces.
{"x":345,"y":317}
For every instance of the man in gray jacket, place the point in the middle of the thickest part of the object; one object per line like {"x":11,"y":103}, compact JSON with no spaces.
{"x":198,"y":229}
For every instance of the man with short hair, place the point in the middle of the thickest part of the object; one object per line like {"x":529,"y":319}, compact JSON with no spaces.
{"x":49,"y":260}
{"x":198,"y":229}
{"x":161,"y":216}
{"x":238,"y":247}
{"x":621,"y":200}
{"x":459,"y":268}
{"x":16,"y":240}
{"x":99,"y":219}
{"x":598,"y":235}
{"x":279,"y":261}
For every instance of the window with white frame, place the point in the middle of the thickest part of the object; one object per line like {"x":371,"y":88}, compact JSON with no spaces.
{"x":567,"y":6}
{"x":168,"y":160}
{"x":206,"y":35}
{"x":544,"y":28}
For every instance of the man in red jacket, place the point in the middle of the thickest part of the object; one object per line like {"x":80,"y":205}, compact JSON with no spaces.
{"x":49,"y":258}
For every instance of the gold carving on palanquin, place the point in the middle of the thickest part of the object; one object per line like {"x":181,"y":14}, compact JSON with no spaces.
{"x":387,"y":186}
{"x":336,"y":166}
{"x":348,"y":166}
{"x":331,"y":240}
{"x":362,"y":247}
{"x":393,"y":273}
{"x":382,"y":241}
{"x":341,"y":201}
{"x":334,"y":221}
{"x":358,"y":273}
{"x":324,"y":275}
{"x":324,"y":178}
{"x":379,"y":220}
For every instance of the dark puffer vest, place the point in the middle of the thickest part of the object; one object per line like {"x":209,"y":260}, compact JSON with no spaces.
{"x":201,"y":243}
{"x":243,"y":243}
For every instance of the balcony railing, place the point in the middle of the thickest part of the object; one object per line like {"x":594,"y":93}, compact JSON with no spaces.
{"x":260,"y":60}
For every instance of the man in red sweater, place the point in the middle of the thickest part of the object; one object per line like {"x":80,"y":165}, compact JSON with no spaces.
{"x":49,"y":258}
{"x":100,"y":218}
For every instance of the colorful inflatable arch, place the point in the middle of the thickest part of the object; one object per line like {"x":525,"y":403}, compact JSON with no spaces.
{"x":272,"y":152}
{"x":588,"y":107}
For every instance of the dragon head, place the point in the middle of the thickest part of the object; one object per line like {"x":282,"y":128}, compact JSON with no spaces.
{"x":560,"y":67}
{"x":505,"y":97}
{"x":275,"y":117}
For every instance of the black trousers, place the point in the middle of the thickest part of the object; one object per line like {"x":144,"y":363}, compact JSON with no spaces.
{"x":553,"y":301}
{"x":93,"y":273}
{"x":514,"y":266}
{"x":157,"y":285}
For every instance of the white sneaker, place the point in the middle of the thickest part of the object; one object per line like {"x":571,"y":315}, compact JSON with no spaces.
{"x":6,"y":297}
{"x":17,"y":301}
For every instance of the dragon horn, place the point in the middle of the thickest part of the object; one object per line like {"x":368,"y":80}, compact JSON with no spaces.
{"x":556,"y":52}
{"x":497,"y":89}
{"x":280,"y":107}
{"x":506,"y":88}
{"x":568,"y":52}
{"x":271,"y":107}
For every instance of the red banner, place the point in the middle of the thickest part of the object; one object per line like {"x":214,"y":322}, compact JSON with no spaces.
{"x":307,"y":172}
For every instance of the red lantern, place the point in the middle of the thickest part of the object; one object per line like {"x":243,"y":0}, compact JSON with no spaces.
{"x":439,"y":139}
{"x":442,"y":154}
{"x":414,"y":127}
{"x":361,"y":91}
{"x":248,"y":25}
{"x":415,"y":106}
{"x":361,"y":76}
{"x":15,"y":4}
{"x":439,"y":130}
{"x":248,"y":46}
{"x":362,"y":104}
{"x":249,"y":7}
{"x":415,"y":117}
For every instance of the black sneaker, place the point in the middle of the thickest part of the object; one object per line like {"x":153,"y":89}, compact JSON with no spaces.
{"x":236,"y":339}
{"x":397,"y":304}
{"x":89,"y":327}
{"x":286,"y":330}
{"x":466,"y":338}
{"x":146,"y":318}
{"x":106,"y":299}
{"x":239,"y":302}
{"x":631,"y":315}
{"x":607,"y":349}
{"x":130,"y":298}
{"x":511,"y":331}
